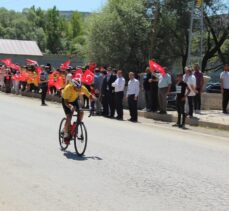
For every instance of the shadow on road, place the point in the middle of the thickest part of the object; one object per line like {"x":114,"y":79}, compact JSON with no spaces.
{"x":73,"y":156}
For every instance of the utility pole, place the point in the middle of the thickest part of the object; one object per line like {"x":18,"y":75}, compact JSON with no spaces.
{"x":202,"y":31}
{"x":197,"y":13}
{"x":190,"y":34}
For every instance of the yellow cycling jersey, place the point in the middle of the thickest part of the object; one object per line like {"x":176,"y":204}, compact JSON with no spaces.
{"x":70,"y":94}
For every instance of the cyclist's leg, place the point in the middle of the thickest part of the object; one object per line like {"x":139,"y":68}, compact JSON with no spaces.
{"x":80,"y":113}
{"x":68,"y":114}
{"x":67,"y":124}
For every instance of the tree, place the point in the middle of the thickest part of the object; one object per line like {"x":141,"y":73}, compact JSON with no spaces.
{"x":76,"y":24}
{"x":54,"y":31}
{"x":172,"y":35}
{"x":118,"y":36}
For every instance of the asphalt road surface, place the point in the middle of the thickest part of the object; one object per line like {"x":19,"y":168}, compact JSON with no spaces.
{"x":127,"y":166}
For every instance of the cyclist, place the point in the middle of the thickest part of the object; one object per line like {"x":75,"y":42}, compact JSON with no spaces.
{"x":70,"y":102}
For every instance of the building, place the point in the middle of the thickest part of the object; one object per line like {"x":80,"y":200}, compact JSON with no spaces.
{"x":20,"y":50}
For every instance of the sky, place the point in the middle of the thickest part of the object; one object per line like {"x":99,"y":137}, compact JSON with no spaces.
{"x":80,"y":5}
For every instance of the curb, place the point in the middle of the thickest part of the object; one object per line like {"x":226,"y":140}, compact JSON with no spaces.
{"x":192,"y":122}
{"x":148,"y":115}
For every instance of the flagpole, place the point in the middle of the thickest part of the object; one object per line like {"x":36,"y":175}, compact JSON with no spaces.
{"x":190,"y":35}
{"x":202,"y":32}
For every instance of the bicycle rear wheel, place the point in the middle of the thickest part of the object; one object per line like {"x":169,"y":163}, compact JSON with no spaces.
{"x":80,"y":139}
{"x":63,"y":145}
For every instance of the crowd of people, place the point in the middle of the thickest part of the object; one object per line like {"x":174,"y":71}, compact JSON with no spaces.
{"x":109,"y":88}
{"x":188,"y":87}
{"x":108,"y":85}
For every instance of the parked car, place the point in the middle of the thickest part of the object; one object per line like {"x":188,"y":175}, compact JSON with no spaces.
{"x":213,"y":88}
{"x":171,"y":99}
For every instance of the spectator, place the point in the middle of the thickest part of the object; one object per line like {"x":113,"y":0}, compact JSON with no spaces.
{"x":55,"y":75}
{"x":23,"y":82}
{"x":224,"y":79}
{"x":147,"y":89}
{"x":16,"y":83}
{"x":164,"y":86}
{"x":43,"y":85}
{"x":68,"y":76}
{"x":98,"y":81}
{"x":34,"y":82}
{"x":154,"y":92}
{"x":92,"y":91}
{"x":199,"y":88}
{"x":181,"y":88}
{"x":132,"y":97}
{"x":190,"y":79}
{"x":108,"y":94}
{"x":103,"y":97}
{"x":119,"y":86}
{"x":8,"y":81}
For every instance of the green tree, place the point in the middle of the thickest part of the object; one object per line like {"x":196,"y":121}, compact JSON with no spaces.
{"x":54,"y":31}
{"x":118,"y":36}
{"x":76,"y":24}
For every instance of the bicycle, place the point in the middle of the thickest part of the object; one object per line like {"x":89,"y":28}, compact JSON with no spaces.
{"x":78,"y":134}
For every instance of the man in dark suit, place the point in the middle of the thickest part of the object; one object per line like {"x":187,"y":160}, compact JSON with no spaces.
{"x":108,"y":94}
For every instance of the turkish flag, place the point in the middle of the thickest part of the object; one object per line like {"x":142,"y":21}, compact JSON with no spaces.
{"x":51,"y":82}
{"x":31,"y":62}
{"x":88,"y":77}
{"x":38,"y":70}
{"x":15,"y":67}
{"x":16,"y":77}
{"x":78,"y":74}
{"x":65,"y":65}
{"x":53,"y":79}
{"x":7,"y":61}
{"x":92,"y":67}
{"x":24,"y":76}
{"x":156,"y":67}
{"x":59,"y":84}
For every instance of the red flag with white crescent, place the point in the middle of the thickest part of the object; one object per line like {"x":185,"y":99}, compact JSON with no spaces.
{"x":31,"y":62}
{"x":65,"y":65}
{"x":78,"y":74}
{"x":92,"y":67}
{"x":15,"y":67}
{"x":38,"y":70}
{"x":7,"y":61}
{"x":88,"y":77}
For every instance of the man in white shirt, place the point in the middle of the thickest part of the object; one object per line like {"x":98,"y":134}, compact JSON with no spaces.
{"x":190,"y":79}
{"x":132,"y":96}
{"x":119,"y":86}
{"x":224,"y":79}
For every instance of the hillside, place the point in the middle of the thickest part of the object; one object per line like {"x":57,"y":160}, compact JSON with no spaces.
{"x":68,"y":14}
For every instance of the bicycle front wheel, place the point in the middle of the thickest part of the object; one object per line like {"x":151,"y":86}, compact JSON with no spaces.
{"x":80,"y":139}
{"x":63,"y":145}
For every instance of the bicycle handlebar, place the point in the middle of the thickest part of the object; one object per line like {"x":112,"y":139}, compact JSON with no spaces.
{"x":91,"y":111}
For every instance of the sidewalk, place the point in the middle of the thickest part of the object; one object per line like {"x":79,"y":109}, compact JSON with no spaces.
{"x":208,"y":118}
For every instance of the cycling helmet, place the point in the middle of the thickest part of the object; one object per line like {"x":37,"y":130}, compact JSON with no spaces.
{"x":76,"y":83}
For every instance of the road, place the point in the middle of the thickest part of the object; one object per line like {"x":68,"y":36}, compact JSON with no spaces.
{"x":127,"y":166}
